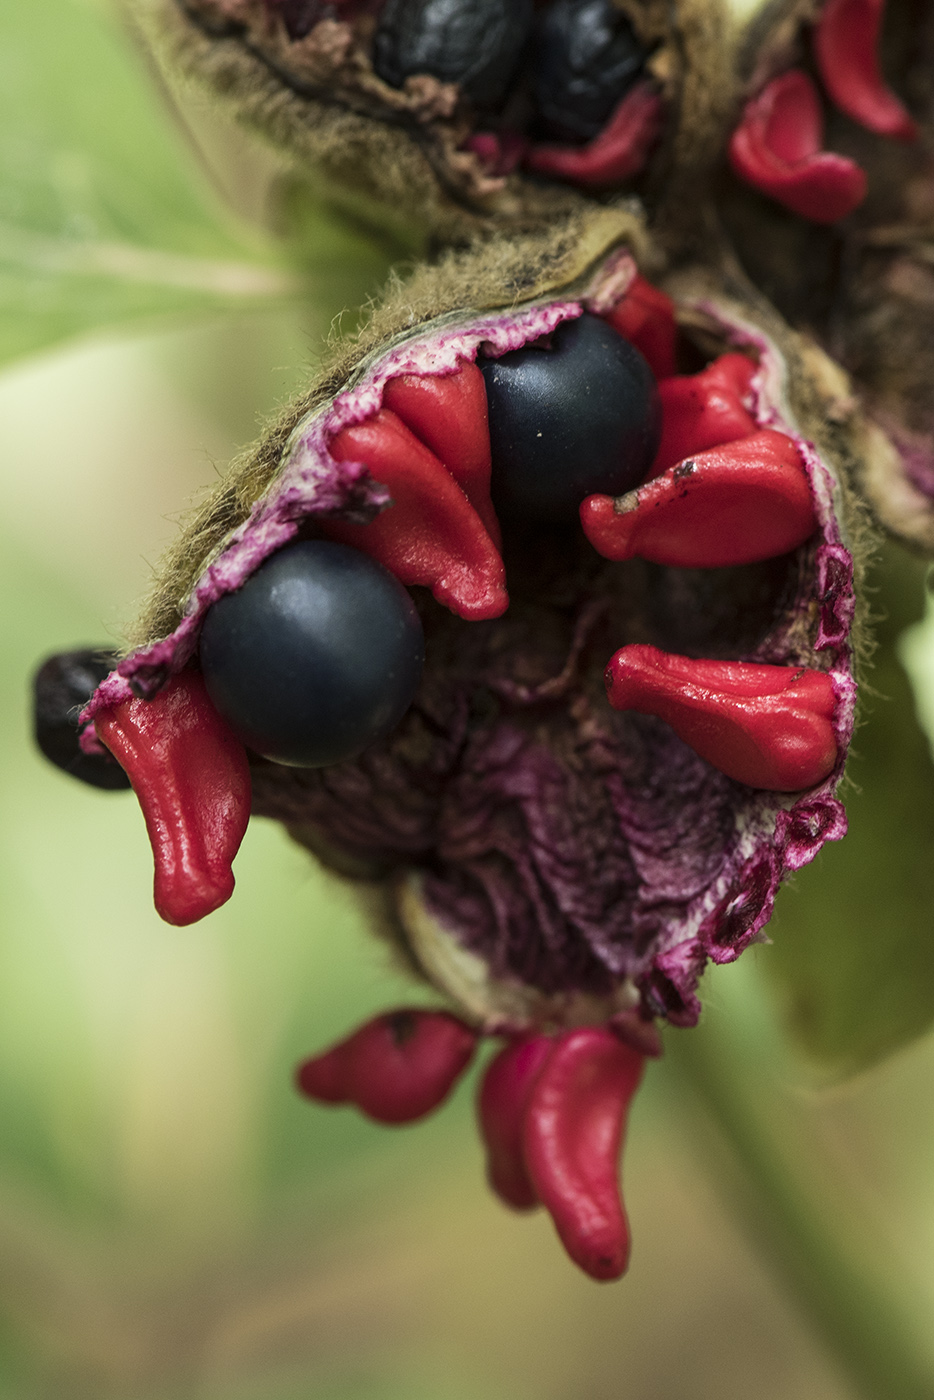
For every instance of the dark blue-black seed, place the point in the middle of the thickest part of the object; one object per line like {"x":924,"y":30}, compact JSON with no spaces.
{"x":570,"y":418}
{"x":318,"y":654}
{"x":474,"y":43}
{"x":62,"y":687}
{"x":587,"y":57}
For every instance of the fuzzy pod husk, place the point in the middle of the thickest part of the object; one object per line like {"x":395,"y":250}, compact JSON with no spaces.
{"x":398,"y":156}
{"x":538,"y":669}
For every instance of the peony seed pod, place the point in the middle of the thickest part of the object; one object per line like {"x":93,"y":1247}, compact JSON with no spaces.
{"x":633,"y":716}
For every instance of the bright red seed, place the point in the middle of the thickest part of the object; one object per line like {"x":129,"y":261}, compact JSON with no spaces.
{"x":777,"y":149}
{"x":846,"y":43}
{"x":501,"y":1105}
{"x":767,"y":726}
{"x":395,"y":1068}
{"x":704,"y":410}
{"x":431,"y":534}
{"x":192,"y":778}
{"x":572,"y":1135}
{"x":646,"y":318}
{"x":620,"y":150}
{"x":449,"y":413}
{"x":746,"y":501}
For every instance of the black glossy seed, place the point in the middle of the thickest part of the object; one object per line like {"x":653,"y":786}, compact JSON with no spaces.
{"x":62,"y":687}
{"x":316,"y":656}
{"x":587,"y":58}
{"x":475,"y":43}
{"x":566,"y":421}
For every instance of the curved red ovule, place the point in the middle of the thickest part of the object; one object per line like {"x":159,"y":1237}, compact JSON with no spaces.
{"x":501,"y":1104}
{"x":704,"y":410}
{"x":395,"y":1068}
{"x":767,"y":726}
{"x":646,"y":318}
{"x":431,"y":534}
{"x":448,"y":412}
{"x":572,"y":1136}
{"x":846,"y":45}
{"x":192,"y":778}
{"x":777,"y":149}
{"x":618,"y":152}
{"x":737,"y":504}
{"x":501,"y":152}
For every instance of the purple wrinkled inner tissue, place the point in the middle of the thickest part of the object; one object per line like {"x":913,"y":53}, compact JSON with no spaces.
{"x":566,"y":867}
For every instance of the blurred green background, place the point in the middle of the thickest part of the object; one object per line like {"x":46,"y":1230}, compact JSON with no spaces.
{"x":174,"y":1223}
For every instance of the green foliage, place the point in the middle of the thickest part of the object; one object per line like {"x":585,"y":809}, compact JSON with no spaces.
{"x":854,"y":933}
{"x":106,"y":217}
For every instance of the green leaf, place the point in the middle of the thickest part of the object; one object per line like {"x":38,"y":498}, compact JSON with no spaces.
{"x":854,"y":933}
{"x":105,"y":215}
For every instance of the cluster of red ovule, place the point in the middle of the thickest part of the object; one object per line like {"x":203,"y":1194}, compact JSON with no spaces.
{"x":552,"y":1111}
{"x":430,"y":446}
{"x":777,"y":146}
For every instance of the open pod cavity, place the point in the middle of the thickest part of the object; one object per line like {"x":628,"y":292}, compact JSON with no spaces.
{"x":585,"y":799}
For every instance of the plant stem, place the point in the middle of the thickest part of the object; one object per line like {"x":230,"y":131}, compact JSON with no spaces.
{"x":789,"y":1198}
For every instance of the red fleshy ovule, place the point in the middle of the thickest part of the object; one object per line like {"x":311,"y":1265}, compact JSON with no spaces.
{"x":572,"y":1135}
{"x":192,"y":778}
{"x":746,"y":501}
{"x":846,"y":44}
{"x":395,"y":1068}
{"x":500,"y":151}
{"x":620,"y":150}
{"x":704,"y":410}
{"x":777,"y":149}
{"x":767,"y":726}
{"x":501,"y":1104}
{"x":646,"y":318}
{"x":449,"y":413}
{"x":431,"y":534}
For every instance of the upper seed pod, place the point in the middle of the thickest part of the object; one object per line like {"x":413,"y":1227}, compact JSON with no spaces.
{"x":423,"y":109}
{"x":473,"y":43}
{"x":587,"y":58}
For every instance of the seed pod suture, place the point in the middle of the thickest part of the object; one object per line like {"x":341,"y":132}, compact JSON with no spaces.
{"x":559,"y":866}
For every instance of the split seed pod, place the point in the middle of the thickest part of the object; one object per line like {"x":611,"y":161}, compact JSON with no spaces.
{"x":625,"y":736}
